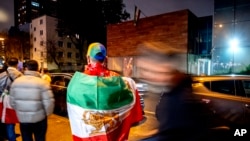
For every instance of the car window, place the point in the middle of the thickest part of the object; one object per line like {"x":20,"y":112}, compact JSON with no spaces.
{"x":58,"y":80}
{"x":207,"y":85}
{"x":239,"y":88}
{"x":66,"y":80}
{"x":225,"y":87}
{"x":246,"y":85}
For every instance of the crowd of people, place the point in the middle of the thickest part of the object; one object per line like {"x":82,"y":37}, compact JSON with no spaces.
{"x":98,"y":112}
{"x":103,"y":105}
{"x":32,"y":101}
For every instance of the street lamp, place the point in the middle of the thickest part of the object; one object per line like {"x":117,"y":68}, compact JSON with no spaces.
{"x":233,"y":47}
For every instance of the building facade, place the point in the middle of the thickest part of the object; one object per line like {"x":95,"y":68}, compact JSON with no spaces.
{"x":176,"y":30}
{"x":26,"y":10}
{"x":231,"y":35}
{"x":51,"y":50}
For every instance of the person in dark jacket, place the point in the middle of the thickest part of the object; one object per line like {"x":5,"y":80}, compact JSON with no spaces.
{"x":181,"y":115}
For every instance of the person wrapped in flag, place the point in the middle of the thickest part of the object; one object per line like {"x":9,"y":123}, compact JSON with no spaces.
{"x":101,"y":104}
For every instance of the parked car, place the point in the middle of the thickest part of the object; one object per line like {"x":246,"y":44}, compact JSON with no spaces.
{"x":228,"y":96}
{"x":59,"y":83}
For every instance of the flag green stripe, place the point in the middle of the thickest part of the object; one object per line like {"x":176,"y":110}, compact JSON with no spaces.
{"x":103,"y":93}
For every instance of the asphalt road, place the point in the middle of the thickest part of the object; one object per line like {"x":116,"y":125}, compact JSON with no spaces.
{"x":149,"y":123}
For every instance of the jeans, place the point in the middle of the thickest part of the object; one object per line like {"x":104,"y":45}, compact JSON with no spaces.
{"x":10,"y":131}
{"x":39,"y":130}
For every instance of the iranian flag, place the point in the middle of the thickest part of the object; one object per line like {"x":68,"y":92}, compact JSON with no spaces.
{"x":101,"y":108}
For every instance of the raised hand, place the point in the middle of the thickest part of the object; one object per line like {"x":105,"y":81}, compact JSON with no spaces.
{"x":127,"y":67}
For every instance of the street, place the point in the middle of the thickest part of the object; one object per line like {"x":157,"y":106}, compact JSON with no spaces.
{"x":59,"y":128}
{"x":149,"y":123}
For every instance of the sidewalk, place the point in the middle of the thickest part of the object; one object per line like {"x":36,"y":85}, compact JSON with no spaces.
{"x":58,"y":129}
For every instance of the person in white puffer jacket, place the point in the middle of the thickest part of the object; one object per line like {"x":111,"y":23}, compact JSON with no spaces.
{"x":33,"y":100}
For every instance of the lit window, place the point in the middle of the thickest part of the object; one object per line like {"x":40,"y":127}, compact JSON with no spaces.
{"x":35,"y":4}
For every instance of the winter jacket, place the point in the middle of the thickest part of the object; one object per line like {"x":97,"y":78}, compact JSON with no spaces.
{"x":31,"y":97}
{"x":13,"y":74}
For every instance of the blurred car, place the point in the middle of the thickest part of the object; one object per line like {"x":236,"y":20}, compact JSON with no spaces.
{"x":228,"y":96}
{"x":59,"y":83}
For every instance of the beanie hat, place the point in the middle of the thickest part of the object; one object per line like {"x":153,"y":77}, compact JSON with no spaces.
{"x":97,"y":51}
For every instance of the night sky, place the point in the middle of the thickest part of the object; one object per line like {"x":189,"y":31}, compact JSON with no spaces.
{"x":148,"y":7}
{"x":154,"y":7}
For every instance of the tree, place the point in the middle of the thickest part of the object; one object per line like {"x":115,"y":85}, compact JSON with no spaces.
{"x":17,"y":44}
{"x":85,"y":21}
{"x":52,"y":52}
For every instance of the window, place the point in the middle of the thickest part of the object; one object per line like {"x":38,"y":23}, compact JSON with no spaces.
{"x":34,"y":28}
{"x":41,"y":21}
{"x":35,"y":4}
{"x":35,"y":49}
{"x":41,"y":43}
{"x":34,"y":39}
{"x":207,"y":85}
{"x":69,"y":45}
{"x":246,"y":86}
{"x":41,"y":54}
{"x":41,"y":32}
{"x":224,"y":86}
{"x":60,"y":54}
{"x":77,"y":55}
{"x":60,"y":43}
{"x":60,"y":81}
{"x":69,"y":55}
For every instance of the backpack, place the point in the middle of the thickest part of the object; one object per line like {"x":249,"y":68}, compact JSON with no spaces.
{"x":5,"y":80}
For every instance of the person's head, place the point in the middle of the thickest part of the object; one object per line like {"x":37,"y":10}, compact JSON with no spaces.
{"x":13,"y":62}
{"x":96,"y":53}
{"x":32,"y":65}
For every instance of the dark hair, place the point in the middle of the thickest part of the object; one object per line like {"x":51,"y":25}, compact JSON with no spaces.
{"x":4,"y":68}
{"x":12,"y":61}
{"x":32,"y":65}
